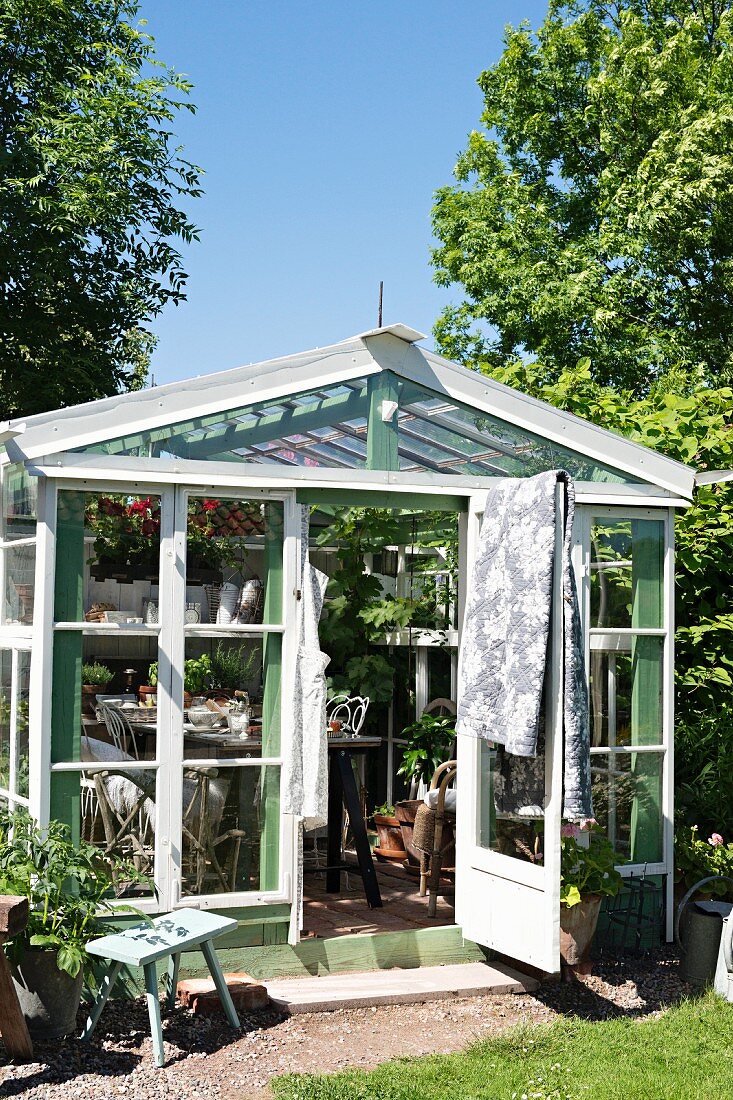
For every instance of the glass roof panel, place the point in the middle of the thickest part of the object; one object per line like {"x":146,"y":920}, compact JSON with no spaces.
{"x":280,"y":429}
{"x":461,"y":440}
{"x":327,"y":427}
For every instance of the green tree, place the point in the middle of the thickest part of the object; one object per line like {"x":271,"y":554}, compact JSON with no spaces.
{"x":592,"y":212}
{"x":90,"y":182}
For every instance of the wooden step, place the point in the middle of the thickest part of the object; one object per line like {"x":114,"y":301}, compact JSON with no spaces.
{"x":394,"y":987}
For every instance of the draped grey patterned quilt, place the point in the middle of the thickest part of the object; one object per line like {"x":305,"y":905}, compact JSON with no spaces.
{"x":506,"y":630}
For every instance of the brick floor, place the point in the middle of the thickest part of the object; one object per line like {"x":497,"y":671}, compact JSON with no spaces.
{"x":347,"y":913}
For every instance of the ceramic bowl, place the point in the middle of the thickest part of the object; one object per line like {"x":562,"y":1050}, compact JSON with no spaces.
{"x":203,"y":718}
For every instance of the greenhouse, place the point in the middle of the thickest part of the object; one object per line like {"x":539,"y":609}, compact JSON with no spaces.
{"x":151,"y":573}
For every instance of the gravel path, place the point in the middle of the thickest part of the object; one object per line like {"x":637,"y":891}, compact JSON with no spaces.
{"x":205,"y":1060}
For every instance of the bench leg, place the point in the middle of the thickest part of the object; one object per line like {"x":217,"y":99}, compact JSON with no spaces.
{"x":156,"y":1028}
{"x":225,"y":996}
{"x":105,"y":989}
{"x":173,"y":964}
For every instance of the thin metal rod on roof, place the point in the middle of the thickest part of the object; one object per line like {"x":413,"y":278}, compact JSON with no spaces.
{"x":381,"y":295}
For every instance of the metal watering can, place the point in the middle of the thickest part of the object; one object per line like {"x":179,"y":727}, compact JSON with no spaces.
{"x":724,"y":970}
{"x":700,"y":939}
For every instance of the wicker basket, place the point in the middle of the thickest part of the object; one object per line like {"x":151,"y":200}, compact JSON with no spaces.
{"x":423,"y":833}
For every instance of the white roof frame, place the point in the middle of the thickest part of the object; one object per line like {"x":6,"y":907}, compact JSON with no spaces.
{"x":132,"y":471}
{"x":392,"y":348}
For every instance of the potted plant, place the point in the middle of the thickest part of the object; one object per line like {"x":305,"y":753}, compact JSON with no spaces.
{"x":234,"y":668}
{"x":70,"y":886}
{"x":429,"y":741}
{"x":127,"y":539}
{"x":94,"y":679}
{"x":196,"y":676}
{"x":587,"y":873}
{"x":390,"y":845}
{"x":696,"y":859}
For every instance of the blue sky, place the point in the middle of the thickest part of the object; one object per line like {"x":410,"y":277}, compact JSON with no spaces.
{"x":324,"y":130}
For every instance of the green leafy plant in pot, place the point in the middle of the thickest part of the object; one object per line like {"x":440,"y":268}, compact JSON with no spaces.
{"x":587,"y":874}
{"x":429,"y":742}
{"x":94,"y":679}
{"x":196,"y":676}
{"x":235,"y":668}
{"x":70,"y":887}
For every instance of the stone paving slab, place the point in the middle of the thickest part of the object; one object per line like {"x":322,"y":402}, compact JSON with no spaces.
{"x":396,"y":986}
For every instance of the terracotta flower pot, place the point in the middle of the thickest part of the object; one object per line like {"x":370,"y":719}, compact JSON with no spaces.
{"x":389,"y":835}
{"x":405,"y":813}
{"x":144,"y":692}
{"x":577,"y":929}
{"x":89,"y":698}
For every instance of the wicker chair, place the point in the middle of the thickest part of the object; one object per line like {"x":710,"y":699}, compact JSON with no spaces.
{"x":430,"y":835}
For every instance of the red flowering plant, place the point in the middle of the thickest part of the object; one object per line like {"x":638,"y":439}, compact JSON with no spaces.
{"x":126,"y":529}
{"x":127,"y":532}
{"x":208,"y":544}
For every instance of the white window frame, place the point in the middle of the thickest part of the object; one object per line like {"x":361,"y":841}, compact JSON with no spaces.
{"x":584,"y":516}
{"x":172,"y":590}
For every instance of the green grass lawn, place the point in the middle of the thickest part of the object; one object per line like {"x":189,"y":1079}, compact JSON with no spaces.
{"x":685,"y":1053}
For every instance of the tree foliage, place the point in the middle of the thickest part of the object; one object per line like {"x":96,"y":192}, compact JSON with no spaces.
{"x":695,"y":428}
{"x":90,"y":188}
{"x":592,"y":212}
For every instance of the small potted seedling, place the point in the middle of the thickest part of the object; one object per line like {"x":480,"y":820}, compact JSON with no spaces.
{"x":389,"y":834}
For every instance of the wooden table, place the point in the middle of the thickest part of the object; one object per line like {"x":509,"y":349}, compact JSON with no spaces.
{"x":342,"y":791}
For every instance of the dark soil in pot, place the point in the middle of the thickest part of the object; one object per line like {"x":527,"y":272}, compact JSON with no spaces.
{"x":49,"y":997}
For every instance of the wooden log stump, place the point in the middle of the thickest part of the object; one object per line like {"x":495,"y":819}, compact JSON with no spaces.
{"x":13,"y":1028}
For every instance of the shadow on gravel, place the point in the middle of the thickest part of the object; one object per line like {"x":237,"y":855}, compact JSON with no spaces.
{"x":125,"y":1026}
{"x":627,"y":985}
{"x":121,"y":1043}
{"x":63,"y":1061}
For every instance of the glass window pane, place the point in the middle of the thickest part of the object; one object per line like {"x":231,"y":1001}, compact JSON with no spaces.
{"x":90,"y":717}
{"x":107,"y":557}
{"x":6,"y":687}
{"x":14,"y":721}
{"x":511,"y":804}
{"x":436,"y":433}
{"x":21,"y":723}
{"x":439,"y":672}
{"x":627,"y":571}
{"x":19,"y":497}
{"x":627,"y":802}
{"x":231,"y":829}
{"x":217,"y":668}
{"x":116,"y":811}
{"x":626,"y":681}
{"x":234,"y":561}
{"x":20,"y":572}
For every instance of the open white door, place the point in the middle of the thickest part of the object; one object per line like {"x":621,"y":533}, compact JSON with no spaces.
{"x":508,"y":865}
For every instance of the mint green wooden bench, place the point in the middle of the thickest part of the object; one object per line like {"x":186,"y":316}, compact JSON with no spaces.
{"x":144,"y":944}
